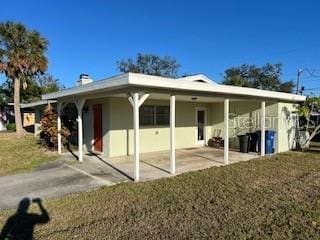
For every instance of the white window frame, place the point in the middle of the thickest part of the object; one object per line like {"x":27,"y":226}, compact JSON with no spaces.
{"x":204,"y":141}
{"x":155,"y":116}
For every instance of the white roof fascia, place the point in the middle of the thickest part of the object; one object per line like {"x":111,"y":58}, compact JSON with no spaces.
{"x":167,"y":83}
{"x":35,"y":104}
{"x":107,"y":83}
{"x":148,"y":81}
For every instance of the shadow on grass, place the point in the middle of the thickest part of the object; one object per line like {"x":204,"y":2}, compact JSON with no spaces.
{"x":21,"y":225}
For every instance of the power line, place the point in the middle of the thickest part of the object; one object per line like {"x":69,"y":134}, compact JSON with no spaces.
{"x":308,"y":77}
{"x":311,"y":89}
{"x":311,"y":72}
{"x":308,"y":89}
{"x":311,"y":80}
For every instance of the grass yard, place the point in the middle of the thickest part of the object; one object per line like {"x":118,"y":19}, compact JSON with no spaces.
{"x":271,"y":198}
{"x":315,"y":145}
{"x":20,"y":155}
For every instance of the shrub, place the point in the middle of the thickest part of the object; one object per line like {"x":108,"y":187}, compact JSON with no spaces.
{"x":11,"y":126}
{"x":49,"y":128}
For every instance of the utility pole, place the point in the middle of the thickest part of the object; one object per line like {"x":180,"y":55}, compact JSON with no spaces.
{"x":300,"y":70}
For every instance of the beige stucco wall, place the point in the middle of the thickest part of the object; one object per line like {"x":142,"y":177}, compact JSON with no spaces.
{"x":152,"y":138}
{"x":279,"y":117}
{"x":118,"y":122}
{"x":244,"y":118}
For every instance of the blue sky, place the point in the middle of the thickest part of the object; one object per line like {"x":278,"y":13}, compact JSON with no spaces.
{"x":204,"y":36}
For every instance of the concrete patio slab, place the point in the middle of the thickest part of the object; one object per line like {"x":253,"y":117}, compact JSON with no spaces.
{"x":157,"y":165}
{"x":64,"y":177}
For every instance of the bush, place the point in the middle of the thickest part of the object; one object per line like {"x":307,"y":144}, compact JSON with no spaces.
{"x":11,"y":126}
{"x":49,"y":129}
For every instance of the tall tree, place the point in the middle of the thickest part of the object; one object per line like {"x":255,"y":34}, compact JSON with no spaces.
{"x":267,"y":77}
{"x":48,"y":83}
{"x":309,"y":121}
{"x":21,"y":57}
{"x":31,"y":92}
{"x":35,"y":87}
{"x":150,"y":64}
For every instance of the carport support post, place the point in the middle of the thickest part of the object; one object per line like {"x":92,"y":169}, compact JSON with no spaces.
{"x":136,"y":103}
{"x":59,"y":108}
{"x":136,"y":136}
{"x":226,"y":131}
{"x":172,"y":134}
{"x":263,"y":128}
{"x":79,"y":103}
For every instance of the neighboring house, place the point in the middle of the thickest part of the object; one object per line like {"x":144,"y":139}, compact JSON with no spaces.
{"x":135,"y":113}
{"x":32,"y":114}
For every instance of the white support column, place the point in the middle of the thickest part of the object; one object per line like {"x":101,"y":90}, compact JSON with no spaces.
{"x":136,"y":103}
{"x":172,"y":134}
{"x":143,"y":98}
{"x":59,"y":108}
{"x":226,"y":131}
{"x":136,"y":136}
{"x":263,"y":128}
{"x":79,"y":103}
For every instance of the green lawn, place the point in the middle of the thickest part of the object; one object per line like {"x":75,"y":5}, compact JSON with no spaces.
{"x":19,"y":155}
{"x":269,"y":198}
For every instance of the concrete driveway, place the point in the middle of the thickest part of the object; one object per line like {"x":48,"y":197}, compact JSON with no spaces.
{"x":68,"y":176}
{"x":56,"y":179}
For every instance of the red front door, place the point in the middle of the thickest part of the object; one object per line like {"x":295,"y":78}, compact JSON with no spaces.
{"x":97,"y":127}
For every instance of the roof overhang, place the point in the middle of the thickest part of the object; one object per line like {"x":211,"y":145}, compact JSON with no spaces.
{"x":36,"y":104}
{"x":169,"y":85}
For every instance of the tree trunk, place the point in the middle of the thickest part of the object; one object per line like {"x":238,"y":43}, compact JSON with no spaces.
{"x":312,"y":135}
{"x":17,"y":113}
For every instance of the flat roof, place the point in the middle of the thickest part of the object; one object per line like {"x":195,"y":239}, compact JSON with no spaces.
{"x":194,"y":85}
{"x":36,"y":104}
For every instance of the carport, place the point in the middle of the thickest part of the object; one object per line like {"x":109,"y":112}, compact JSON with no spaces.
{"x":137,"y":88}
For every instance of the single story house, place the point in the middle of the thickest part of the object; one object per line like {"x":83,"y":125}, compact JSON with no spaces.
{"x":135,"y":113}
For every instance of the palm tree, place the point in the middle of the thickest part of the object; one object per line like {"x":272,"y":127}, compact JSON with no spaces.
{"x":21,"y":58}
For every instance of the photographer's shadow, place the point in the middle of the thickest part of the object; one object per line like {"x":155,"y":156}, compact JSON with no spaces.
{"x":21,"y":224}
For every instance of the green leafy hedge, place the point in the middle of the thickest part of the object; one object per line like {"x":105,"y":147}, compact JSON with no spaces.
{"x":11,"y":126}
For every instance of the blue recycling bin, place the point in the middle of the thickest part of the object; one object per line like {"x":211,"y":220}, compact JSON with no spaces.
{"x":269,"y":141}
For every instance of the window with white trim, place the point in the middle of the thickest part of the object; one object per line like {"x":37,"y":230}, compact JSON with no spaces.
{"x":151,"y":115}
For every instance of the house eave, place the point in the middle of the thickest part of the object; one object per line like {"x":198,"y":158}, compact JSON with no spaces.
{"x":165,"y":83}
{"x":97,"y":86}
{"x":136,"y":80}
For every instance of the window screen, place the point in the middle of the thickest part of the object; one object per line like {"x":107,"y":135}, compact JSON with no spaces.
{"x":147,"y":115}
{"x":154,"y":115}
{"x":162,"y":115}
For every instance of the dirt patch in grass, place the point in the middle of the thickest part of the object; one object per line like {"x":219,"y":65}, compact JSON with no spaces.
{"x":20,"y":155}
{"x":271,"y":198}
